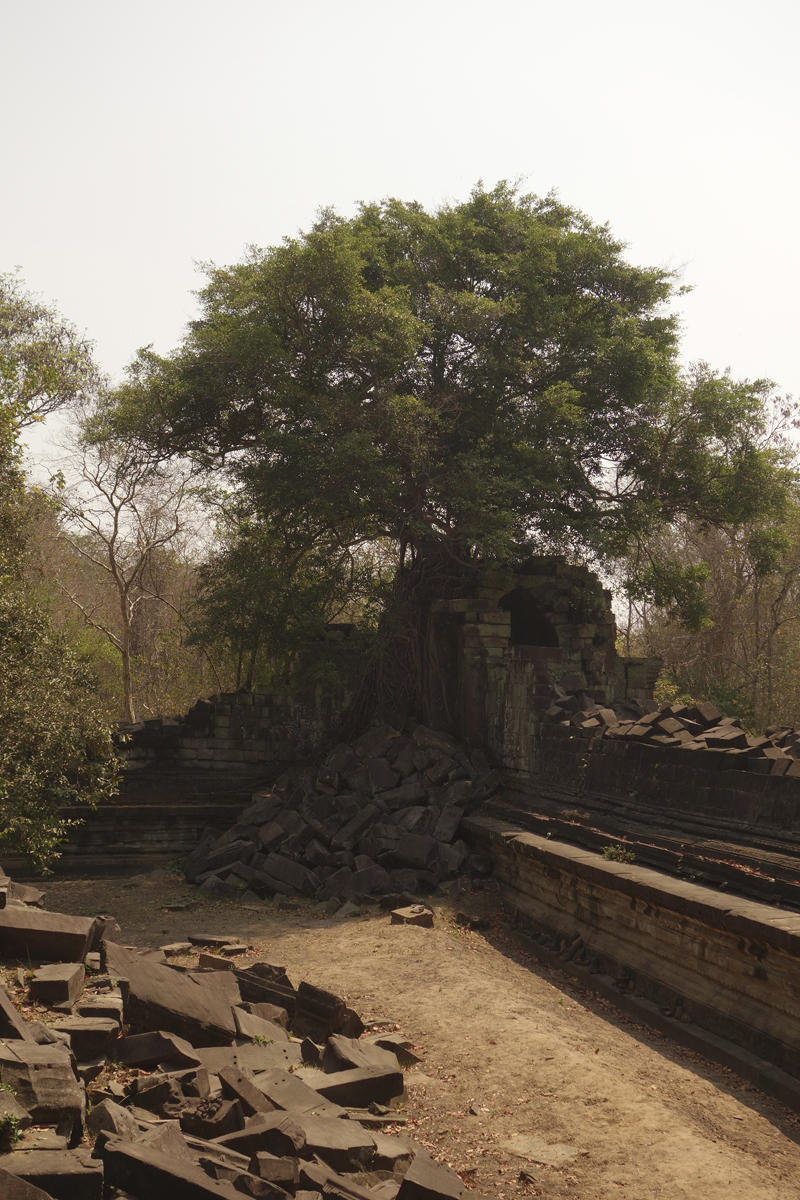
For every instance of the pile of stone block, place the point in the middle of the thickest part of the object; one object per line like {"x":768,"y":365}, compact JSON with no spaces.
{"x":382,"y":819}
{"x":151,"y":1077}
{"x":697,"y":727}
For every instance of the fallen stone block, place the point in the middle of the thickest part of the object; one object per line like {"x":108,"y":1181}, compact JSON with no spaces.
{"x":144,"y":1050}
{"x":157,"y":1176}
{"x":370,"y":880}
{"x":317,"y":1013}
{"x":278,"y":1133}
{"x":12,"y":1187}
{"x":429,"y":1180}
{"x":317,"y":1179}
{"x":397,"y":1044}
{"x":403,"y":796}
{"x":356,"y":828}
{"x":380,"y":775}
{"x":176,"y":949}
{"x":12,"y":1025}
{"x":343,"y":1145}
{"x":43,"y":1081}
{"x":420,"y":853}
{"x":212,"y":1118}
{"x":214,"y":962}
{"x":28,"y":933}
{"x":89,"y":1036}
{"x":114,"y":1119}
{"x":339,"y":884}
{"x":414,"y":914}
{"x":253,"y":1057}
{"x":58,"y":983}
{"x":393,"y":1153}
{"x":61,"y":1174}
{"x":449,"y":823}
{"x":166,"y":1138}
{"x":109,"y":1007}
{"x":284,"y":1172}
{"x":344,"y":1053}
{"x":238,"y":1085}
{"x":13,"y":1117}
{"x":156,"y":996}
{"x":361,"y":1086}
{"x":269,"y":1012}
{"x":285,"y":1091}
{"x":257,"y":988}
{"x":248,"y":1025}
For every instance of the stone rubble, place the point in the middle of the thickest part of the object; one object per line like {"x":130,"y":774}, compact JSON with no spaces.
{"x":699,"y":728}
{"x":194,"y":1083}
{"x":381,"y":820}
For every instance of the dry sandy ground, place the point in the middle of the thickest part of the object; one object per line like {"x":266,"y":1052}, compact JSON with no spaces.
{"x":508,"y":1047}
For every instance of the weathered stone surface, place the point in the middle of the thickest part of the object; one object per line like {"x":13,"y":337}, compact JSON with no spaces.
{"x":283,"y":1171}
{"x":58,"y":983}
{"x":62,"y":1174}
{"x":285,"y":1091}
{"x":403,"y":796}
{"x":213,"y":1118}
{"x":435,"y":739}
{"x":248,"y":1025}
{"x":429,"y":1180}
{"x":343,"y":1145}
{"x":393,"y":1153}
{"x":238,"y":1085}
{"x":12,"y":1187}
{"x":27,"y":933}
{"x":89,"y":1036}
{"x":269,"y":1012}
{"x":158,"y":997}
{"x":380,"y":775}
{"x":12,"y":1025}
{"x":278,"y":1133}
{"x":108,"y":1006}
{"x":344,"y":1053}
{"x":370,"y":880}
{"x":10,"y":1108}
{"x":145,"y":1050}
{"x":317,"y":1013}
{"x":356,"y":828}
{"x":449,"y":823}
{"x":397,"y":1044}
{"x":337,"y":885}
{"x":114,"y":1119}
{"x":158,"y":1176}
{"x":420,"y":853}
{"x":214,"y":962}
{"x":44,"y":1083}
{"x":414,"y":914}
{"x":360,"y":1086}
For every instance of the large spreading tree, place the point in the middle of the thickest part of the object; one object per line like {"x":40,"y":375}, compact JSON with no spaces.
{"x":467,"y":385}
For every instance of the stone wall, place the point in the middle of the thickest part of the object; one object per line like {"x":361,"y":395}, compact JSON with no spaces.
{"x":243,"y":731}
{"x":495,"y":655}
{"x":725,"y":964}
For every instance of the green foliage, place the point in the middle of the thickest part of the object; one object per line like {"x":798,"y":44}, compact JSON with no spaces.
{"x":55,"y":746}
{"x":618,"y":854}
{"x":467,"y":384}
{"x":45,"y":364}
{"x":675,"y":587}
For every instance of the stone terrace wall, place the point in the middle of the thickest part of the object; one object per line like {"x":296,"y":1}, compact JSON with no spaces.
{"x":239,"y":731}
{"x":673,"y":785}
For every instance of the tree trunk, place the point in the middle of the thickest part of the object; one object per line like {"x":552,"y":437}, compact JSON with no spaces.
{"x":127,"y":685}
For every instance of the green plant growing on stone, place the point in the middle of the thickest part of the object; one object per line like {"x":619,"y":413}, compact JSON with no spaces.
{"x":261,"y":1040}
{"x":618,"y":854}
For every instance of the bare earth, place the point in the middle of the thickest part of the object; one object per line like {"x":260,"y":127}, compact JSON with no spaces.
{"x":508,"y":1048}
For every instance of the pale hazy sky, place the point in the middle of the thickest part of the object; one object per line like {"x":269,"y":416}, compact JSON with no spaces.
{"x":138,"y":138}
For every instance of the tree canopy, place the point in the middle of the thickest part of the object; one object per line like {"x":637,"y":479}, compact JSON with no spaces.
{"x":471,"y":383}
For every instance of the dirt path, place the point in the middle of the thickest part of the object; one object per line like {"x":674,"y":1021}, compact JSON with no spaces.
{"x":508,"y":1047}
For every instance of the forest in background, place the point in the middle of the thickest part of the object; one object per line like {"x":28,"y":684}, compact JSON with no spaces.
{"x":357,"y":422}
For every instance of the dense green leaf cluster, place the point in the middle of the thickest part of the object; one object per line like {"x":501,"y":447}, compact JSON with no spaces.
{"x":473,"y":382}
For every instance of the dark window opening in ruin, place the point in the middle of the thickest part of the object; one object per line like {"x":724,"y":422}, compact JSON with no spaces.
{"x":529,"y":625}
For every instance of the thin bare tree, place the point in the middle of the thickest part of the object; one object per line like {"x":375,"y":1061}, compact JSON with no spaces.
{"x":117,"y":511}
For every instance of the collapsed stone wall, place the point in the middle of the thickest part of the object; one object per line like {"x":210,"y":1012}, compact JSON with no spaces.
{"x":241,"y":731}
